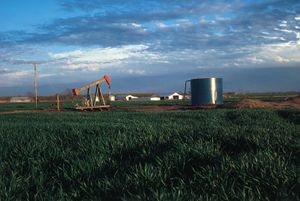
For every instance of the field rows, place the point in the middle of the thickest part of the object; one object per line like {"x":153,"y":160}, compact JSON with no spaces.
{"x":198,"y":155}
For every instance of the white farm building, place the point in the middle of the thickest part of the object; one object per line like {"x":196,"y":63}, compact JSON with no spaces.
{"x":130,"y":97}
{"x":21,"y":99}
{"x":175,"y":96}
{"x":112,"y":98}
{"x":155,"y":98}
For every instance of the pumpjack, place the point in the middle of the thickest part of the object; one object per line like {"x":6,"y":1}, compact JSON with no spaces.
{"x":93,"y":101}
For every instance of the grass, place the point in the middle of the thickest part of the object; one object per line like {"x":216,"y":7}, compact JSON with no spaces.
{"x":191,"y":155}
{"x":5,"y":107}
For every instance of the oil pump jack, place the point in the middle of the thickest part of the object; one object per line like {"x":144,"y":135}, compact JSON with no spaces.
{"x":91,"y":100}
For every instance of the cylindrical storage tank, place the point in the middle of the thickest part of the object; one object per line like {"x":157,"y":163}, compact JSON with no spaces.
{"x":207,"y":91}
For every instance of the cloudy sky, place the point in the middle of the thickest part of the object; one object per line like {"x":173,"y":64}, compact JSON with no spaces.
{"x":149,"y":45}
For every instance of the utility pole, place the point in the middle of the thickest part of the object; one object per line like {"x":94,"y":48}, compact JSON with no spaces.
{"x":35,"y":86}
{"x":57,"y":102}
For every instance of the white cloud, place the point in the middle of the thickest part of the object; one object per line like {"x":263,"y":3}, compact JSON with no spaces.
{"x":136,"y":72}
{"x":161,"y":25}
{"x":44,"y":75}
{"x":297,"y":33}
{"x":184,"y":22}
{"x":288,"y":52}
{"x":274,"y":38}
{"x":16,"y":74}
{"x":72,"y":54}
{"x":297,"y":18}
{"x":203,"y":20}
{"x":286,"y":30}
{"x":13,"y":78}
{"x":93,"y":59}
{"x":283,"y":23}
{"x":256,"y":60}
{"x":136,"y":25}
{"x":281,"y":59}
{"x":124,"y":57}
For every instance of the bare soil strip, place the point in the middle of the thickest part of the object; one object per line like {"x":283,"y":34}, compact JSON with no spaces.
{"x":246,"y":103}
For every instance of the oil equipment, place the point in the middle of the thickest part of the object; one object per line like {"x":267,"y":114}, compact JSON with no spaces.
{"x":94,"y":101}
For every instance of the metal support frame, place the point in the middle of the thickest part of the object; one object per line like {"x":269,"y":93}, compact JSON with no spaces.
{"x":184,"y":95}
{"x":91,"y":99}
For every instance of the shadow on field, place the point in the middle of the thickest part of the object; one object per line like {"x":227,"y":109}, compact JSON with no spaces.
{"x":122,"y":163}
{"x":133,"y":156}
{"x":235,"y":146}
{"x":290,"y":115}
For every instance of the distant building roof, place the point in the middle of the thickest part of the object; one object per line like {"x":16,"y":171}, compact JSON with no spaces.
{"x":21,"y":99}
{"x":175,"y":94}
{"x":168,"y":94}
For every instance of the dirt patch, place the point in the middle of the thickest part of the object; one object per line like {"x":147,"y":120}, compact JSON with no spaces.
{"x":31,"y":111}
{"x":294,"y":100}
{"x":162,"y":108}
{"x":290,"y":103}
{"x":249,"y":103}
{"x":154,"y":108}
{"x":246,"y":103}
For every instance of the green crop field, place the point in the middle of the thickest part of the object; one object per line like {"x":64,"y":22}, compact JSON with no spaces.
{"x":220,"y":154}
{"x":6,"y":107}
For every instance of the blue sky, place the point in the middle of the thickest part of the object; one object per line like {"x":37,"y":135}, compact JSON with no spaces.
{"x":149,"y":45}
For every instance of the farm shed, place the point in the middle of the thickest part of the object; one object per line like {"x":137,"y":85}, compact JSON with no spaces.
{"x":129,"y":97}
{"x":112,"y":97}
{"x":164,"y":96}
{"x":20,"y":99}
{"x":155,"y":98}
{"x":175,"y":96}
